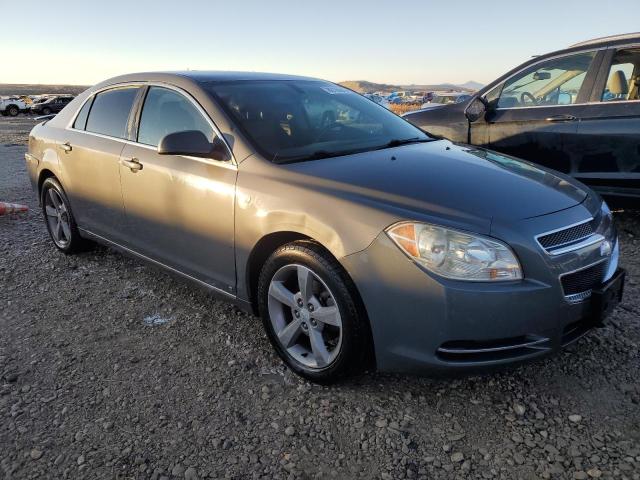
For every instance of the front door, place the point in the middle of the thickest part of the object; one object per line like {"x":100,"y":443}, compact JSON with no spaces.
{"x":179,"y":210}
{"x":538,"y":110}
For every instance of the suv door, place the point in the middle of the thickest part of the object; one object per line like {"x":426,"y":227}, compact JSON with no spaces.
{"x":536,"y":111}
{"x":89,"y":157}
{"x":609,"y":130}
{"x":179,"y":210}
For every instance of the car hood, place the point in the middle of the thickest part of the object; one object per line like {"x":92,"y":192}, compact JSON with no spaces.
{"x":441,"y":178}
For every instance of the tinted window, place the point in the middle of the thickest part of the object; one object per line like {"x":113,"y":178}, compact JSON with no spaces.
{"x":623,"y":81}
{"x":81,"y":120}
{"x":110,"y":112}
{"x":292,"y":120}
{"x":166,"y":111}
{"x":555,"y":82}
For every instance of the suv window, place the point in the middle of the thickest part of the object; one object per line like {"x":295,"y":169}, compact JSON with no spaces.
{"x":110,"y":112}
{"x":623,"y":81}
{"x":166,"y":111}
{"x":80,"y":122}
{"x":554,"y":82}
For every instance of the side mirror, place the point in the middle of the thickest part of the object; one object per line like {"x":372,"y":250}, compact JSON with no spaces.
{"x":192,"y":143}
{"x":476,"y":109}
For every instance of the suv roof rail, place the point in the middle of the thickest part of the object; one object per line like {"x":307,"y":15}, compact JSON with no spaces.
{"x":610,"y":38}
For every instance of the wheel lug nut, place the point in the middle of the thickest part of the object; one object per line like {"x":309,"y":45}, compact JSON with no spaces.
{"x":297,"y":314}
{"x":310,"y":307}
{"x":300,"y":303}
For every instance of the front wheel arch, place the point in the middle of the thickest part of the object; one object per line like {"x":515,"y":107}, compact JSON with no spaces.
{"x":270,"y":243}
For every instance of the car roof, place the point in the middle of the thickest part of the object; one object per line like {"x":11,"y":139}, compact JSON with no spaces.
{"x":606,"y":40}
{"x":203,"y":76}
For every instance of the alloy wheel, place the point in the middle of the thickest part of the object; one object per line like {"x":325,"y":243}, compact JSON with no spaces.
{"x":57,"y":218}
{"x":305,"y":317}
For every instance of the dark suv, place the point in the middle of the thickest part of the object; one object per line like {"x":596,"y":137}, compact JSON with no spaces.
{"x":51,"y":104}
{"x":576,"y":110}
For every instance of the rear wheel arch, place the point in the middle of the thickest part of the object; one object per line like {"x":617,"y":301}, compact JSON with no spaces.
{"x":44,"y":174}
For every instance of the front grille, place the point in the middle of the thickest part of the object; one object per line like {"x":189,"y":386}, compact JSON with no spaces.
{"x":584,"y":280}
{"x":567,"y":236}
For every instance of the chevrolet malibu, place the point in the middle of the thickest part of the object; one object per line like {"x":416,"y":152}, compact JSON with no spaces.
{"x":359,"y":240}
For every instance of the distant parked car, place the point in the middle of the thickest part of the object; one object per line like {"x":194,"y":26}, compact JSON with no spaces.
{"x":51,"y":104}
{"x":440,"y":99}
{"x":12,"y":106}
{"x":576,"y":110}
{"x":379,"y":99}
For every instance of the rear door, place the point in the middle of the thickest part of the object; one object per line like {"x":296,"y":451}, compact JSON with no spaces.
{"x":179,"y":210}
{"x":537,"y":110}
{"x":609,"y":130}
{"x":90,"y":154}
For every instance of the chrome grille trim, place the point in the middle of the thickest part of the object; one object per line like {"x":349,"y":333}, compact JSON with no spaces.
{"x":569,"y":245}
{"x":578,"y":297}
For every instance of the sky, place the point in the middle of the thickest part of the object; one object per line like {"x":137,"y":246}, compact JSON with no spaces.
{"x":408,"y":42}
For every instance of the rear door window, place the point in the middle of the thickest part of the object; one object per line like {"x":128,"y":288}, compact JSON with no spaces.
{"x":623,"y":81}
{"x":110,"y":112}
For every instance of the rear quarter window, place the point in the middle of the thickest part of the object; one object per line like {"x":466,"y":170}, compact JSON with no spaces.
{"x":80,"y":122}
{"x":110,"y":112}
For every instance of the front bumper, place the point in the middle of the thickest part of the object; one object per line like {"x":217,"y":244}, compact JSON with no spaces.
{"x":424,"y":323}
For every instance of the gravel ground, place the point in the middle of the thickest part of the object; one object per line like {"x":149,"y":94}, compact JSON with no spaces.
{"x":109,"y":369}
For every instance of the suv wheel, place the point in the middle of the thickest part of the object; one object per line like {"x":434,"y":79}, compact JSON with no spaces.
{"x":46,"y":111}
{"x":310,"y":313}
{"x":59,"y":218}
{"x":13,"y":110}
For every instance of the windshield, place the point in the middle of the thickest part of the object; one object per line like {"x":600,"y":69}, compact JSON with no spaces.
{"x":296,"y":120}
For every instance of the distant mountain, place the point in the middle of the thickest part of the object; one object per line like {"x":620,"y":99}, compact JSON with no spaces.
{"x":363,"y":86}
{"x":472,"y":85}
{"x":38,"y":89}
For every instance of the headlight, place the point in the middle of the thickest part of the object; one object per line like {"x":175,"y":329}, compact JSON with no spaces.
{"x":454,"y":254}
{"x":606,"y":228}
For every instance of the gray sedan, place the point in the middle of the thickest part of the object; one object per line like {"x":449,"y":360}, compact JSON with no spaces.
{"x":359,"y":240}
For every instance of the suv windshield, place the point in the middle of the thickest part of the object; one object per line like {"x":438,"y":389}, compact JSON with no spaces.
{"x":296,"y":120}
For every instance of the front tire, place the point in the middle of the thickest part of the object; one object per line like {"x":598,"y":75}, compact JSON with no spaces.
{"x":13,"y":110}
{"x":46,"y":111}
{"x":311,"y":313}
{"x":59,"y":219}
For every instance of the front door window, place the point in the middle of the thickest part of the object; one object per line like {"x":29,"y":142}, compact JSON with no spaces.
{"x":554,"y":82}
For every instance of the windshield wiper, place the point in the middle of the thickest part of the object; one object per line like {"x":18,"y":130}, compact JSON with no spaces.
{"x":396,"y":142}
{"x":317,"y":155}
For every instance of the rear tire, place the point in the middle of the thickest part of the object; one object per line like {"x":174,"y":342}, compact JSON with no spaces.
{"x":13,"y":110}
{"x":326,"y":348}
{"x":59,"y":219}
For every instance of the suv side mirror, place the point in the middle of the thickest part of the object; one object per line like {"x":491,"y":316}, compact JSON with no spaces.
{"x":192,"y":143}
{"x":476,"y":109}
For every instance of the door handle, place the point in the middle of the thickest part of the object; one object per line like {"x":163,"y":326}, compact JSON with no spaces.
{"x":66,"y":147}
{"x":133,"y":164}
{"x":562,"y":118}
